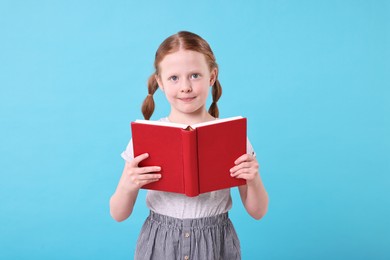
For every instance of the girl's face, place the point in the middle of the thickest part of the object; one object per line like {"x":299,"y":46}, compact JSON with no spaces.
{"x":185,"y":79}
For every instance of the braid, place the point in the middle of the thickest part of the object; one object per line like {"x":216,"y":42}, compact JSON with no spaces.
{"x":148,"y":104}
{"x":216,"y":93}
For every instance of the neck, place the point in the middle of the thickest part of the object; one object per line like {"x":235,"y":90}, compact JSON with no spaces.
{"x":190,"y":119}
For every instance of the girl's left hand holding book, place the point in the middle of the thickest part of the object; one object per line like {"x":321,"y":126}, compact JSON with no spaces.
{"x":253,"y":194}
{"x":246,"y":168}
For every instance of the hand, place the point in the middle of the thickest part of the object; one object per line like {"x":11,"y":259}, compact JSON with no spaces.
{"x":246,"y":168}
{"x":134,"y":177}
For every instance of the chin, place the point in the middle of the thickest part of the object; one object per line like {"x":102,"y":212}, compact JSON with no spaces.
{"x":188,"y":110}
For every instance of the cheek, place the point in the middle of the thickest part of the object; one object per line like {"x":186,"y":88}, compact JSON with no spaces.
{"x":205,"y":88}
{"x":168,"y":89}
{"x":169,"y":93}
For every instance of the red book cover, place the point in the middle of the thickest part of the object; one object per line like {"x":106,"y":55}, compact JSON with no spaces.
{"x":194,"y":159}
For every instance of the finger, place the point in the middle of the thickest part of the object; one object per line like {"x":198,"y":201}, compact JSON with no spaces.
{"x":147,"y":169}
{"x":144,"y":177}
{"x":243,"y":158}
{"x":245,"y":175}
{"x":251,"y":170}
{"x":240,"y":171}
{"x":139,"y":159}
{"x":142,"y":183}
{"x":241,"y":166}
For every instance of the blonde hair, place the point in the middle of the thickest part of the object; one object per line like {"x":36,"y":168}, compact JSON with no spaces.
{"x":186,"y":41}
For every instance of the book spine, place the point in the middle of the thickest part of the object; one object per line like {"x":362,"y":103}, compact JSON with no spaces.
{"x":190,"y":161}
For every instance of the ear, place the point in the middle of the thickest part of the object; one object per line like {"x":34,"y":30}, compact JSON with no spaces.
{"x":159,"y":82}
{"x":213,"y":76}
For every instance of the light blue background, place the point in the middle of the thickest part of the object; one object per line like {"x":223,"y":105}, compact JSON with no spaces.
{"x":311,"y":76}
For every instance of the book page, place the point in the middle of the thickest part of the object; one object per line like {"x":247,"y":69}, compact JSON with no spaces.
{"x":160,"y":123}
{"x":216,"y":121}
{"x":184,"y":126}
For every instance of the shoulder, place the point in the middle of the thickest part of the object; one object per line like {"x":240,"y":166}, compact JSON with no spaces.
{"x":164,"y":119}
{"x":249,"y":148}
{"x":128,"y":153}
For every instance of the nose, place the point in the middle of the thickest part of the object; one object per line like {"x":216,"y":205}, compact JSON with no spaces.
{"x":186,"y":86}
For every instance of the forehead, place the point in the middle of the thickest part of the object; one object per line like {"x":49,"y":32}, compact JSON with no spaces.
{"x":183,"y":60}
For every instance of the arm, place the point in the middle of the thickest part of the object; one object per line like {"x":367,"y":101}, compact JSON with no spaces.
{"x":253,"y":194}
{"x":132,"y":179}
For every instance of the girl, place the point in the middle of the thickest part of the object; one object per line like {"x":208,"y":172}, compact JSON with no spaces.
{"x":181,"y":227}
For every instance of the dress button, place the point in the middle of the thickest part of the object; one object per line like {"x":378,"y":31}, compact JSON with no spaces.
{"x":186,"y":257}
{"x":187,"y":234}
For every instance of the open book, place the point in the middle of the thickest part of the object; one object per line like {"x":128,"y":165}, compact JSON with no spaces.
{"x":194,"y":159}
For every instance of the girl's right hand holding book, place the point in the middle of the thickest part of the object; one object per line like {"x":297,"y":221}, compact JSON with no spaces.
{"x":134,"y":177}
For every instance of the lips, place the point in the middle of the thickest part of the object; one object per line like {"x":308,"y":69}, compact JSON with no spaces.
{"x":187,"y":99}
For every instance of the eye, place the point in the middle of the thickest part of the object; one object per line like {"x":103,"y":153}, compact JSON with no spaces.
{"x":195,"y":76}
{"x":173,"y":78}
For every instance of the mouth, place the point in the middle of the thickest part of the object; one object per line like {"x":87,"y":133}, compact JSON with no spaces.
{"x":187,"y":99}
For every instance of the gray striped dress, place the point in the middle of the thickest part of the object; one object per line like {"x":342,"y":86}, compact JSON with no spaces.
{"x":164,"y":237}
